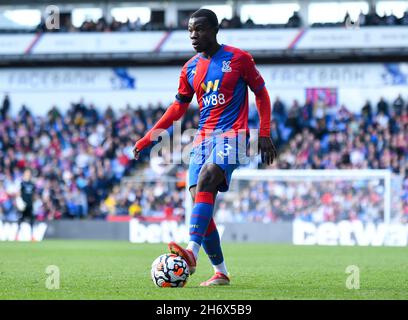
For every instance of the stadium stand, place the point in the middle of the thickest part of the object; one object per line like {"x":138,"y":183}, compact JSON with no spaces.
{"x":103,"y":24}
{"x":81,"y":157}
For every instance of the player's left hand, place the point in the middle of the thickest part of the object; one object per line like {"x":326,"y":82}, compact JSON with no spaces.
{"x":267,"y":150}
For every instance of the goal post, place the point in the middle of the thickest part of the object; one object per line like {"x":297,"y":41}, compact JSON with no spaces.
{"x":264,"y":195}
{"x":270,"y":195}
{"x":325,"y":175}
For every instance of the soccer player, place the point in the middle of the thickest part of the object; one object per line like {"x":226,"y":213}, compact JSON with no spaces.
{"x":27,"y":190}
{"x":219,"y":76}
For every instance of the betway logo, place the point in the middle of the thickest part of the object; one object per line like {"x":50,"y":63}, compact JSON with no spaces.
{"x":350,"y":233}
{"x":8,"y":231}
{"x":163,"y":232}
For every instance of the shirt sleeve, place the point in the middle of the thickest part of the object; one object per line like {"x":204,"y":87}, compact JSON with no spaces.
{"x":185,"y":88}
{"x":250,"y":73}
{"x":173,"y":113}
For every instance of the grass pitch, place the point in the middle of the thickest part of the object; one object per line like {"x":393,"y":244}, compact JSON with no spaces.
{"x":121,"y":270}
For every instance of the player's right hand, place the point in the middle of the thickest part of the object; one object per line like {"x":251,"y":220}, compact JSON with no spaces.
{"x":136,"y":152}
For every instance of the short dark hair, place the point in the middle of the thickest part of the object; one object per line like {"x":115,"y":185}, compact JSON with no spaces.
{"x":210,"y":15}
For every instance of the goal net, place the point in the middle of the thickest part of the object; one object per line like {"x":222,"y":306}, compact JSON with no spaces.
{"x":310,"y":195}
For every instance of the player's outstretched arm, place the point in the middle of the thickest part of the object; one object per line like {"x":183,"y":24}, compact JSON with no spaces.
{"x":257,"y":84}
{"x":176,"y":110}
{"x":265,"y":144}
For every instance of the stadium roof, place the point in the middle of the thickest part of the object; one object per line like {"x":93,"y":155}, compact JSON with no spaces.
{"x":201,"y":2}
{"x":47,"y":2}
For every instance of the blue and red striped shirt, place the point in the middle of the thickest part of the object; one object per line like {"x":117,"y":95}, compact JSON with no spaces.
{"x":221,"y":86}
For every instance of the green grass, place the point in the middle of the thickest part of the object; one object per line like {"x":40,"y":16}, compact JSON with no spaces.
{"x":121,"y":270}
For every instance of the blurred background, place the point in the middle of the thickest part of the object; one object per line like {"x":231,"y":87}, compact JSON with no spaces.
{"x":82,"y":81}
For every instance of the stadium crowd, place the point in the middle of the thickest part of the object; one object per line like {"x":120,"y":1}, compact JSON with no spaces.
{"x":77,"y":159}
{"x":148,"y":200}
{"x":372,"y":18}
{"x":314,"y":136}
{"x":80,"y":158}
{"x":316,"y":201}
{"x":112,"y":25}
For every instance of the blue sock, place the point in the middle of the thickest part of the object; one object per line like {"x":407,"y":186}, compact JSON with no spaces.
{"x":201,"y":215}
{"x":212,"y":244}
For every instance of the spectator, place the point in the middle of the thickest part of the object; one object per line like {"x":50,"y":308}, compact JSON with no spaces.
{"x":294,"y":21}
{"x":398,"y":105}
{"x":235,"y":22}
{"x":249,"y":23}
{"x":391,"y":20}
{"x":404,"y":18}
{"x":225,"y":23}
{"x":293,"y":117}
{"x":79,"y":159}
{"x":279,"y":110}
{"x":382,"y":106}
{"x":367,"y":111}
{"x":347,"y":18}
{"x":5,"y":107}
{"x":371,"y":17}
{"x":362,"y":20}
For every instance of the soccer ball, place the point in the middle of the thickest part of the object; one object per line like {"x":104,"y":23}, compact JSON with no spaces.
{"x":170,"y":270}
